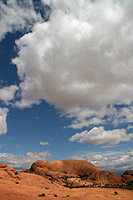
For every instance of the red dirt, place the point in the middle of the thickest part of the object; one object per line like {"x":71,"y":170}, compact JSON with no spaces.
{"x":12,"y":191}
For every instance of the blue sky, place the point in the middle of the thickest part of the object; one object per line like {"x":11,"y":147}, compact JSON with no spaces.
{"x":66,"y":82}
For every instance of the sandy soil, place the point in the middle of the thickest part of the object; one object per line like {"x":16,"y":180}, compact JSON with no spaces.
{"x":12,"y":191}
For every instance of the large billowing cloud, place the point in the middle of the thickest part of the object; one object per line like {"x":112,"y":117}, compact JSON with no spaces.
{"x":3,"y":124}
{"x":80,"y":61}
{"x":112,"y":160}
{"x":98,"y":136}
{"x":23,"y":162}
{"x":16,"y":16}
{"x":82,"y":56}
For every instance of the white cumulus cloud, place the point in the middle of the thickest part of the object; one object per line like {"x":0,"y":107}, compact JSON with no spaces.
{"x":87,"y":64}
{"x":7,"y":93}
{"x":110,"y":161}
{"x":80,"y":61}
{"x":98,"y":135}
{"x":3,"y":123}
{"x":16,"y":15}
{"x":84,"y":117}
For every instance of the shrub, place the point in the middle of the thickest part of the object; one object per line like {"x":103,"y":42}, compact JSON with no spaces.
{"x":41,"y":195}
{"x":115,"y":193}
{"x":66,"y":196}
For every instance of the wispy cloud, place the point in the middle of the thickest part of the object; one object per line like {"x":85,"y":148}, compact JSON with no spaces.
{"x":23,"y":162}
{"x":44,"y":143}
{"x":130,"y":127}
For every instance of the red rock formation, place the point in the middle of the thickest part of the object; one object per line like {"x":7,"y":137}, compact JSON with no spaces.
{"x":75,"y":173}
{"x":8,"y":173}
{"x":128,"y":176}
{"x":71,"y":168}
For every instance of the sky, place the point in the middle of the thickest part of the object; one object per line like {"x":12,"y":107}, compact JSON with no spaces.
{"x":66,"y":79}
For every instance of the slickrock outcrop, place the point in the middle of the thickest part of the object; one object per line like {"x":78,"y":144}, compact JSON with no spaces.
{"x":8,"y":173}
{"x":24,"y":186}
{"x":75,"y":173}
{"x":128,"y":175}
{"x":61,"y":168}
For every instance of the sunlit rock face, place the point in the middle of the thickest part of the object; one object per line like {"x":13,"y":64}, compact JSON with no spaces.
{"x":75,"y":173}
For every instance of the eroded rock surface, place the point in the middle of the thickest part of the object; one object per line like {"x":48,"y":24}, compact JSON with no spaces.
{"x":128,"y":176}
{"x":75,"y":173}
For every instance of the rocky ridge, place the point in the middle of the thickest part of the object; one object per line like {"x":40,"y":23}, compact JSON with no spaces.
{"x":76,"y":173}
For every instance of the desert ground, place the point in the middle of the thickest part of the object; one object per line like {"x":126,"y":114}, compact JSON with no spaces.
{"x":26,"y":185}
{"x":13,"y":191}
